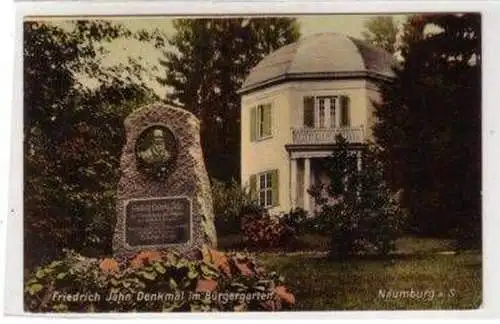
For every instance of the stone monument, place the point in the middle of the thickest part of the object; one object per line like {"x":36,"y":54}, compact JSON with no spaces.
{"x":164,"y":198}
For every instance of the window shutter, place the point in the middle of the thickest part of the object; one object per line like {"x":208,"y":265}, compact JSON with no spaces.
{"x":253,"y":123}
{"x":344,"y":106}
{"x":309,"y":112}
{"x":253,"y":187}
{"x":275,"y":188}
{"x":267,"y":120}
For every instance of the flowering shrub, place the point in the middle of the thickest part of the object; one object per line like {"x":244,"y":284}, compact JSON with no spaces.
{"x":261,"y":230}
{"x":152,"y":281}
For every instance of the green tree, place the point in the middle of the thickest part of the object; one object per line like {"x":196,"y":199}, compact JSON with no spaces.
{"x":357,"y":208}
{"x":430,"y":125}
{"x":206,"y":65}
{"x":73,"y":134}
{"x":382,"y":32}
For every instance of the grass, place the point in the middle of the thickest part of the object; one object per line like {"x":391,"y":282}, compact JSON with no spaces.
{"x":315,"y":242}
{"x":439,"y":279}
{"x":418,"y":245}
{"x":448,"y":281}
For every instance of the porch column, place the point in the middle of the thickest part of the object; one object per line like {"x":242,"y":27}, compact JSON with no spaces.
{"x":307,"y":183}
{"x":293,"y":183}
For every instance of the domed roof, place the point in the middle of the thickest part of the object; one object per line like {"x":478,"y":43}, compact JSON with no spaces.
{"x":321,"y":56}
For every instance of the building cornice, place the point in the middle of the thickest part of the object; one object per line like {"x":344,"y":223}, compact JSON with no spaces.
{"x":315,"y":76}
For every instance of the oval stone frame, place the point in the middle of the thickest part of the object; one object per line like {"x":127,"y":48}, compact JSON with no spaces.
{"x":159,"y":166}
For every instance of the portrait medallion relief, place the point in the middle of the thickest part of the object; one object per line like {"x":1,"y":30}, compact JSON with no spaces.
{"x":156,"y":151}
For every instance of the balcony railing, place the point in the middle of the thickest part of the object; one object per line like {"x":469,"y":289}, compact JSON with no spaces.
{"x":327,"y":135}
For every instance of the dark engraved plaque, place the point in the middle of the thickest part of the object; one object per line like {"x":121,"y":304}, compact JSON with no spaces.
{"x":158,"y":221}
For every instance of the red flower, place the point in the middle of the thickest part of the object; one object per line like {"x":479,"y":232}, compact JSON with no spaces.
{"x":284,"y":294}
{"x":143,"y":257}
{"x":206,"y":285}
{"x":109,"y":265}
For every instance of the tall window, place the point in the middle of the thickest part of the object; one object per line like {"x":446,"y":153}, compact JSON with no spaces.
{"x":321,"y":113}
{"x":264,"y":187}
{"x":326,"y":111}
{"x":333,"y":107}
{"x":260,"y":122}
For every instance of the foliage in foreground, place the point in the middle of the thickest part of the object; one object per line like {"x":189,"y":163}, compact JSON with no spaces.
{"x":214,"y":281}
{"x":357,"y":209}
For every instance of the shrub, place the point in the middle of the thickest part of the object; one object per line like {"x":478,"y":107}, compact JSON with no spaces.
{"x":357,"y":209}
{"x":263,"y":231}
{"x":214,"y":281}
{"x":297,"y":220}
{"x":230,"y":200}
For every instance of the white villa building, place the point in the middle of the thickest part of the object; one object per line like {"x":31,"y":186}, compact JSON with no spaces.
{"x":294,"y":102}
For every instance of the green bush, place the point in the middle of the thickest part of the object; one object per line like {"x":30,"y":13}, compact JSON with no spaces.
{"x":297,"y":220}
{"x":153,"y":281}
{"x":230,"y":201}
{"x":357,"y":209}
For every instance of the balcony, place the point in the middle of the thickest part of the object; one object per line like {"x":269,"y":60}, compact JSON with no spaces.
{"x":327,"y":135}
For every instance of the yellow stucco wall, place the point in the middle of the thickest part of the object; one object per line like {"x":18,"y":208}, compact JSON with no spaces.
{"x":287,"y":112}
{"x":270,"y":153}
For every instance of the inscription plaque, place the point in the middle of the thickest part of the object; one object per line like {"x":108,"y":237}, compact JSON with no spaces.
{"x":158,"y":221}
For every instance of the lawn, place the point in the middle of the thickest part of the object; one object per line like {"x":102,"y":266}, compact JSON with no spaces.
{"x":438,"y":281}
{"x":315,"y":242}
{"x":422,"y":274}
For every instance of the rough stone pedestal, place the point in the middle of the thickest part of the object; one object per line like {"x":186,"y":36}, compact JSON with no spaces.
{"x":153,"y":209}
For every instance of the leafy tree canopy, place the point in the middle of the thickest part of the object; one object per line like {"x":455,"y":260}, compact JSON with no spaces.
{"x":382,"y":32}
{"x":430,"y":124}
{"x":73,"y":133}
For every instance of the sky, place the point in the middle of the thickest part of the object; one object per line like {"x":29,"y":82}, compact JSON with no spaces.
{"x":351,"y":25}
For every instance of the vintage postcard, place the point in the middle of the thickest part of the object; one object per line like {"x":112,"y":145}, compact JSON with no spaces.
{"x":252,"y":163}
